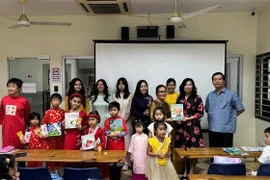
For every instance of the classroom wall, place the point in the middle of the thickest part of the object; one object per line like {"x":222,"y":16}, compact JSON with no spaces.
{"x":263,"y":46}
{"x":239,"y":28}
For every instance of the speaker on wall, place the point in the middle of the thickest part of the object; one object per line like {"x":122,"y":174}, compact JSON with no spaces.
{"x":124,"y":33}
{"x":170,"y":31}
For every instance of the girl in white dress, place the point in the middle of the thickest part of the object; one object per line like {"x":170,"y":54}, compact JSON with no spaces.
{"x":124,"y":98}
{"x":100,"y":99}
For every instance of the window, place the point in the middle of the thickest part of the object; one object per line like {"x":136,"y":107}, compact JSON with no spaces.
{"x":262,"y":87}
{"x":79,"y":67}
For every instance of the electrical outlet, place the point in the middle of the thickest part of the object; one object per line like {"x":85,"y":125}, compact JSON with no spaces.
{"x":260,"y":143}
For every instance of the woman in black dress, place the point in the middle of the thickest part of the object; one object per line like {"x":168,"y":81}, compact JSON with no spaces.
{"x":188,"y":131}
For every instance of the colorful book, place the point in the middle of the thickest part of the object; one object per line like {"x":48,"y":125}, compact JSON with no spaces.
{"x":177,"y":112}
{"x":54,"y":129}
{"x":226,"y":160}
{"x":71,"y":120}
{"x":233,"y":151}
{"x":44,"y":130}
{"x":89,"y":142}
{"x":26,"y":137}
{"x":116,"y":125}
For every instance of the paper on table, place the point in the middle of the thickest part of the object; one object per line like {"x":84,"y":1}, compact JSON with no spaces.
{"x":252,"y":148}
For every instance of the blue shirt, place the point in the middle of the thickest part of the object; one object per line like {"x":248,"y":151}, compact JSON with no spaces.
{"x":222,"y":110}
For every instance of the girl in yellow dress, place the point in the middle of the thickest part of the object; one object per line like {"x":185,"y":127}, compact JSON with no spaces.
{"x":159,"y":165}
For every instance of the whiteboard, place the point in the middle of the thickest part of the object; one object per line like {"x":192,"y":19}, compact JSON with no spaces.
{"x":156,"y":62}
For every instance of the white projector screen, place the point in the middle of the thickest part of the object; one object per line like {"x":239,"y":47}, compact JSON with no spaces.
{"x":157,"y":61}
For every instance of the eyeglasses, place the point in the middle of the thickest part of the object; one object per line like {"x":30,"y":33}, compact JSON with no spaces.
{"x":162,"y":91}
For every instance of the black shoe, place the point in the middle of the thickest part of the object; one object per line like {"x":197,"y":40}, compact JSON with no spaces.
{"x":183,"y":178}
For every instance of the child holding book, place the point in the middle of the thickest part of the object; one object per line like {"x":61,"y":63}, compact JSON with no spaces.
{"x":98,"y":133}
{"x":115,"y":129}
{"x":54,"y":115}
{"x":14,"y":114}
{"x":137,"y":148}
{"x":265,"y":156}
{"x":8,"y":167}
{"x":159,"y":115}
{"x":93,"y":120}
{"x":36,"y":141}
{"x":158,"y":164}
{"x":73,"y":135}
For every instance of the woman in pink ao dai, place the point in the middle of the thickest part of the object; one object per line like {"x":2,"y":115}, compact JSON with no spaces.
{"x":137,"y":148}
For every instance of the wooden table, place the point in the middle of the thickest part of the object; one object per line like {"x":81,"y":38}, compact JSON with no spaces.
{"x":192,"y":153}
{"x":107,"y":156}
{"x":224,"y":177}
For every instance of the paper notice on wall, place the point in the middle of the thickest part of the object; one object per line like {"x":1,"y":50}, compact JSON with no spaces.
{"x":29,"y":88}
{"x":56,"y":75}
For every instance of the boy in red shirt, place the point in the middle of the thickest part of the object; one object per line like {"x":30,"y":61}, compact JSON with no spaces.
{"x":115,"y":129}
{"x":14,"y":114}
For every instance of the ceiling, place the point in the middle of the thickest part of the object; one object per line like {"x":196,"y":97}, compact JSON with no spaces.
{"x":70,"y":7}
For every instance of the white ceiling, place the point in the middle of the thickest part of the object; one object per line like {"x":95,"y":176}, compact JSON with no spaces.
{"x":70,"y":7}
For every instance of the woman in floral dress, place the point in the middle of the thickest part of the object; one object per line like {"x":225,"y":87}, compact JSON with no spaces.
{"x":188,"y":131}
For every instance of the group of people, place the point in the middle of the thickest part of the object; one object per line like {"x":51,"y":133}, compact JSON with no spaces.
{"x":147,"y":130}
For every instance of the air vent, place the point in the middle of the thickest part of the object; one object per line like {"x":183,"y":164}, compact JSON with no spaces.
{"x":105,"y":6}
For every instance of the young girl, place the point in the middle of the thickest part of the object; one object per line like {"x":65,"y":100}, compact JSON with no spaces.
{"x":100,"y":99}
{"x":37,"y":141}
{"x":137,"y":148}
{"x":8,"y":167}
{"x":73,"y":136}
{"x":93,"y":120}
{"x":159,"y":165}
{"x":54,"y":115}
{"x":159,"y":115}
{"x":76,"y":86}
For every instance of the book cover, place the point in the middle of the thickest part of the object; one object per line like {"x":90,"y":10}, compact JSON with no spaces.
{"x":177,"y":112}
{"x":116,"y":125}
{"x":54,"y":129}
{"x":233,"y":151}
{"x":226,"y":160}
{"x":71,"y":120}
{"x":89,"y":142}
{"x":44,"y":130}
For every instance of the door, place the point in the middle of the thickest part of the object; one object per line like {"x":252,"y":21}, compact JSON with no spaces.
{"x":35,"y":75}
{"x":234,"y":74}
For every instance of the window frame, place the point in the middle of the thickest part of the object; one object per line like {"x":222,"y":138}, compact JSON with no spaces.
{"x":262,"y":77}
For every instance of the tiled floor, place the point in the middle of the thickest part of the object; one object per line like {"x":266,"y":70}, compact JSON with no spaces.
{"x":201,"y":167}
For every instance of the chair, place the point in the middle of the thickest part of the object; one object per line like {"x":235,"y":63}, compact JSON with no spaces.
{"x":82,"y":173}
{"x":264,"y":170}
{"x":36,"y":173}
{"x":227,"y":169}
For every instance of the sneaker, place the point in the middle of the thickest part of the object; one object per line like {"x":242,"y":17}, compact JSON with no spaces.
{"x":125,"y":168}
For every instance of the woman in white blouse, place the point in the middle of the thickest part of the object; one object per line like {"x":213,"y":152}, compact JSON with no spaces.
{"x":124,"y":98}
{"x":100,"y":99}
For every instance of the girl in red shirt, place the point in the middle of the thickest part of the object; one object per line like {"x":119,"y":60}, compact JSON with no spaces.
{"x":73,"y":136}
{"x":93,"y":120}
{"x":36,"y":141}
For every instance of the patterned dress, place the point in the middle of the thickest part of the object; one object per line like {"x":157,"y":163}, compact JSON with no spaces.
{"x":36,"y":142}
{"x":188,"y":134}
{"x":51,"y":116}
{"x":73,"y":136}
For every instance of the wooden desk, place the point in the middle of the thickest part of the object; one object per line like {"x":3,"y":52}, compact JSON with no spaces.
{"x":192,"y":153}
{"x":224,"y":177}
{"x":72,"y":156}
